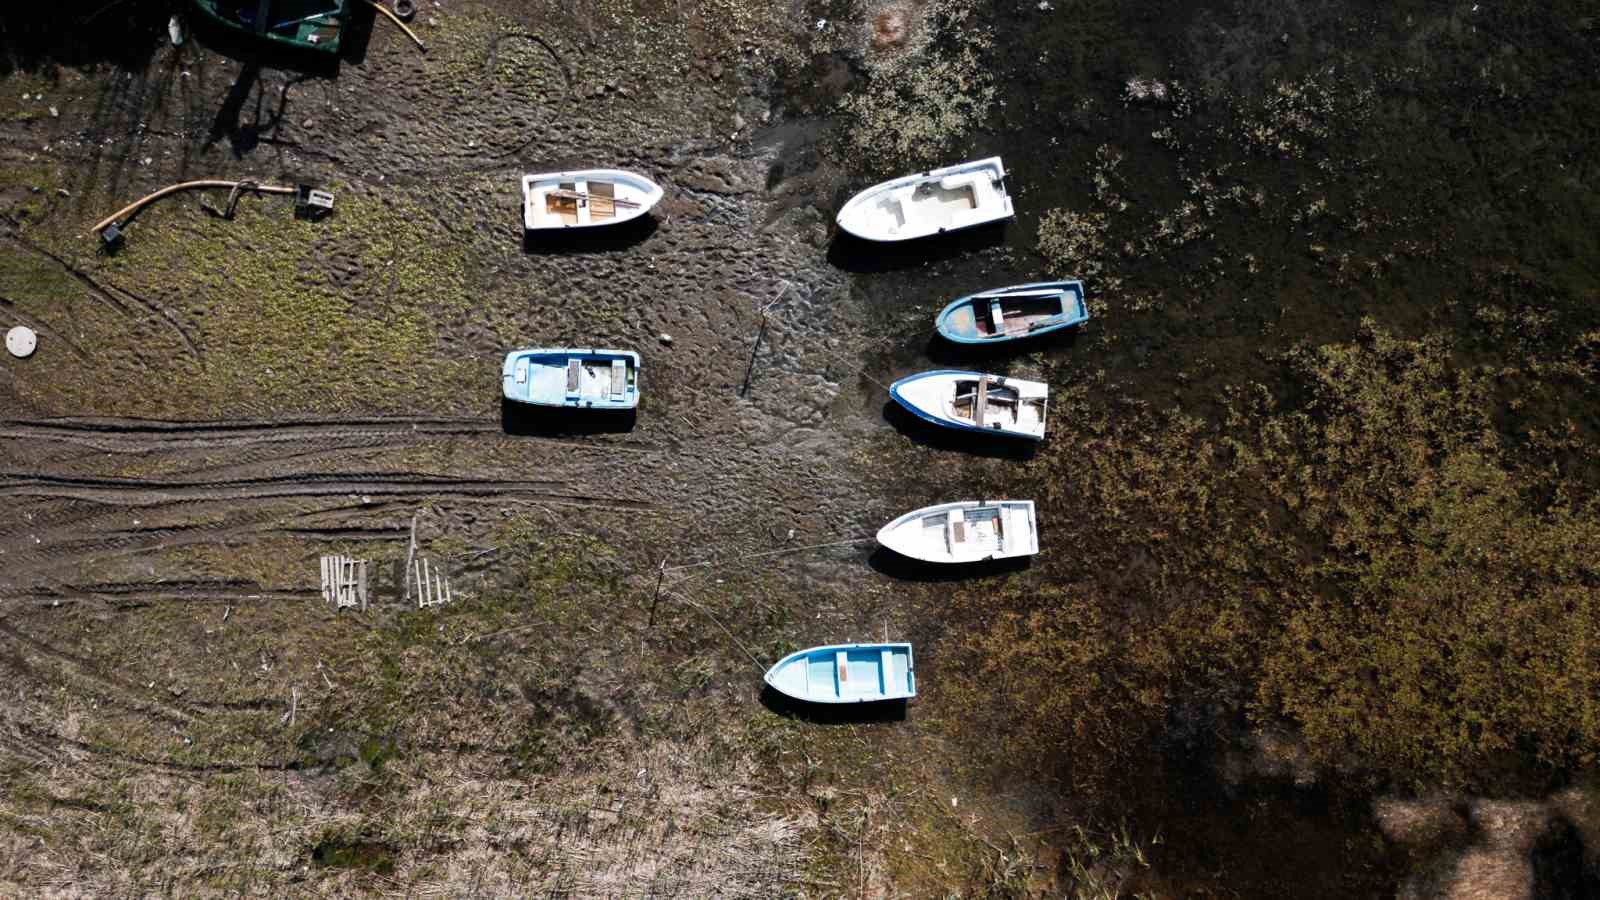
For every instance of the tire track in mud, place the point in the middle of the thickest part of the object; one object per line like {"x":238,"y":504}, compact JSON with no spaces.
{"x":120,"y":435}
{"x":9,"y":308}
{"x":139,"y":492}
{"x":108,"y":295}
{"x":134,"y":594}
{"x":75,"y":669}
{"x":37,"y":739}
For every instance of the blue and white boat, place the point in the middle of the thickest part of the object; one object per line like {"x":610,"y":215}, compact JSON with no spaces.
{"x":582,"y":379}
{"x":1010,"y":313}
{"x":973,"y":401}
{"x":846,"y":673}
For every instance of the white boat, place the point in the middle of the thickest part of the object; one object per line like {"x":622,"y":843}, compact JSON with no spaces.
{"x":972,"y":401}
{"x":932,"y":202}
{"x":585,"y":198}
{"x":969,"y":531}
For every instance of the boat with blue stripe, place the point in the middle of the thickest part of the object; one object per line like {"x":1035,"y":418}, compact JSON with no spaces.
{"x":1015,"y":312}
{"x":846,"y":673}
{"x":973,"y":401}
{"x":567,"y":377}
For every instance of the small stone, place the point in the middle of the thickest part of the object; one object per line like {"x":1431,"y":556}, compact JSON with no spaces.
{"x":55,"y":113}
{"x":306,"y":124}
{"x":738,"y":122}
{"x":666,"y":338}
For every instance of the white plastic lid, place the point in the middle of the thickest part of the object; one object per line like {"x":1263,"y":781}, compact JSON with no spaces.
{"x":20,"y":341}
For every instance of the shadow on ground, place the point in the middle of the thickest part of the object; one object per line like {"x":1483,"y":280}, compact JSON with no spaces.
{"x":992,"y":358}
{"x":833,"y":713}
{"x":903,"y":568}
{"x":43,"y":37}
{"x":604,"y":239}
{"x":524,"y":420}
{"x":852,"y":254}
{"x":937,"y":437}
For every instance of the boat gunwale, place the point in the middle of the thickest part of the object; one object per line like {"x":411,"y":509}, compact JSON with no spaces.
{"x":866,"y":194}
{"x":208,"y":9}
{"x":808,"y":652}
{"x":507,"y":371}
{"x":894,"y":394}
{"x":654,"y":195}
{"x":1072,"y":288}
{"x":900,"y":521}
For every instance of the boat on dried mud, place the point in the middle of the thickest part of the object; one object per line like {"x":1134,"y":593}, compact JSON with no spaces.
{"x":932,"y":202}
{"x":964,"y":532}
{"x":303,"y":24}
{"x":973,"y":401}
{"x":846,"y":673}
{"x":585,"y":198}
{"x":1012,"y":313}
{"x":565,"y":377}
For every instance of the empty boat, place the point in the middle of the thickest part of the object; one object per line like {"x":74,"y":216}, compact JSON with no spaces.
{"x":585,"y":198}
{"x":973,"y":401}
{"x":1010,"y":313}
{"x":932,"y":202}
{"x":561,"y":376}
{"x":970,"y":531}
{"x":846,"y":673}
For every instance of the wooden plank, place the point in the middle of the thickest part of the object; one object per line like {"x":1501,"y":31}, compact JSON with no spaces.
{"x":573,"y":368}
{"x":586,"y":196}
{"x":619,"y":378}
{"x":982,"y":405}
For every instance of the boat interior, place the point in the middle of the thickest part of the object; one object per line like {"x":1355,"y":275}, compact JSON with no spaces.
{"x":597,"y":379}
{"x":1000,"y":314}
{"x":576,"y":202}
{"x":984,"y":403}
{"x":965,"y":531}
{"x":860,"y":672}
{"x":951,"y":202}
{"x":594,"y":379}
{"x":313,"y":21}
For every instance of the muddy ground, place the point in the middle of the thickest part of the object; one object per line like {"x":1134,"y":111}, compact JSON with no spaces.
{"x":223,"y":401}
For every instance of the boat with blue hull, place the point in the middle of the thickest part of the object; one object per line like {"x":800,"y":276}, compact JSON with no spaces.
{"x":973,"y":401}
{"x":577,"y":379}
{"x":846,"y":673}
{"x":1012,"y":313}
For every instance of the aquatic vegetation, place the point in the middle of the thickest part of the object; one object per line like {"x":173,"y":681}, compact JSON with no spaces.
{"x":1366,"y":559}
{"x":917,"y":106}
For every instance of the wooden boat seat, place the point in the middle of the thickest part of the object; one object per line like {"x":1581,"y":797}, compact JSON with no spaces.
{"x":619,"y":379}
{"x":574,"y":368}
{"x":982,"y":406}
{"x":998,"y":317}
{"x":958,"y":527}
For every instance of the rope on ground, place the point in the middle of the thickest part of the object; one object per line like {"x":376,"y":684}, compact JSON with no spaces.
{"x":764,"y":553}
{"x":679,"y":597}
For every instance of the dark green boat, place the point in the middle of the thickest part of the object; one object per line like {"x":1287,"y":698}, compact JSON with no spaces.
{"x":307,"y":24}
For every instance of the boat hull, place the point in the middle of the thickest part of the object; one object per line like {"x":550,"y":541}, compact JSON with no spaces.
{"x":964,"y":532}
{"x":846,"y":673}
{"x":300,"y":30}
{"x":1014,"y":313}
{"x":929,"y":203}
{"x":571,"y":378}
{"x":585,"y":198}
{"x":937,"y":397}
